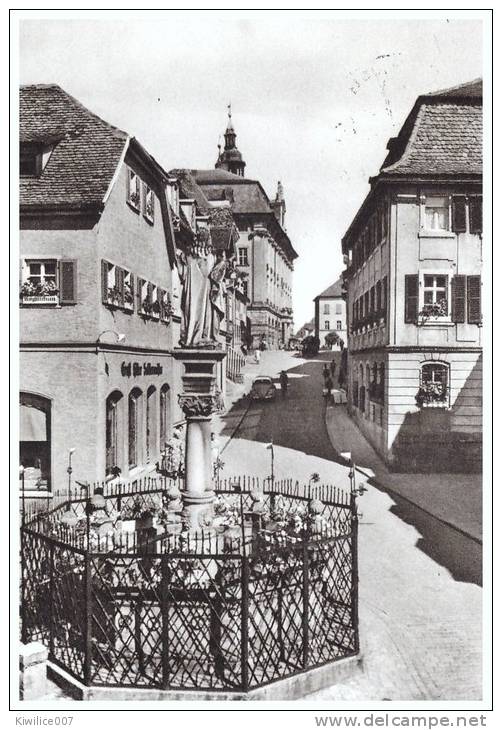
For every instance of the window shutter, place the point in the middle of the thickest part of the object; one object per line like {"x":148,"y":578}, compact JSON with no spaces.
{"x":131,"y":285}
{"x":149,"y":292}
{"x":384,"y":297}
{"x":379,"y":296}
{"x":458,"y":299}
{"x":119,"y":279}
{"x":104,"y":281}
{"x":160,"y":301}
{"x":474,"y":299}
{"x":67,"y":281}
{"x":476,"y":214}
{"x":459,"y":220}
{"x":411,"y":298}
{"x":139,"y":283}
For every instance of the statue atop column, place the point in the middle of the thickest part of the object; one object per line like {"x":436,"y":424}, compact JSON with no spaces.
{"x":202,"y":274}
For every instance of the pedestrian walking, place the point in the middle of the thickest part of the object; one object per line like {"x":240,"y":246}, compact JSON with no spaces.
{"x":328,"y":386}
{"x":332,"y":368}
{"x":325,"y":372}
{"x":283,"y":379}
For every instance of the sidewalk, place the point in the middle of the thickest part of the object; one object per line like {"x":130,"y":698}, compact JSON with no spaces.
{"x":455,"y":499}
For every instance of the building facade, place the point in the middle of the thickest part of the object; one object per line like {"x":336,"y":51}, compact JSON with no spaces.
{"x":331,"y":316}
{"x":413,"y":280}
{"x":99,"y":315}
{"x":265,"y":255}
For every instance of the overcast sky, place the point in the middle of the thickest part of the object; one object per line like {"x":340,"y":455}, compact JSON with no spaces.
{"x":314,"y":102}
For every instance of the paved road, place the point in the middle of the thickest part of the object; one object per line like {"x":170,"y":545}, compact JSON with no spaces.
{"x":420,"y":622}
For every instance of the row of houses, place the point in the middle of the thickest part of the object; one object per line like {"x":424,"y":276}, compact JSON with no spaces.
{"x":413,"y":290}
{"x":103,"y":228}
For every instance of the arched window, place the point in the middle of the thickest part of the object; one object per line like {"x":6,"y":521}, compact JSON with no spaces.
{"x":151,"y":423}
{"x":434,"y":385}
{"x":134,"y":427}
{"x":35,"y":441}
{"x":113,"y":432}
{"x":164,"y":415}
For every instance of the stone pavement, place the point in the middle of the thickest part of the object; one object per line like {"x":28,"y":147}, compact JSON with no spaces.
{"x":452,"y":498}
{"x":420,"y":606}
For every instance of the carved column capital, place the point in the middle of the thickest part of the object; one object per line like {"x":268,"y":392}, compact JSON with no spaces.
{"x":198,"y":405}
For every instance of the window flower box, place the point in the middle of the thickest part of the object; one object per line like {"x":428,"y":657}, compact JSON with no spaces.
{"x":432,"y":395}
{"x":40,"y":293}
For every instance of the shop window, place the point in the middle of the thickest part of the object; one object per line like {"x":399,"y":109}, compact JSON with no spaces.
{"x":35,"y":441}
{"x":134,"y":427}
{"x":434,"y":385}
{"x":165,"y":410}
{"x":151,"y":423}
{"x":113,"y":433}
{"x":133,"y":189}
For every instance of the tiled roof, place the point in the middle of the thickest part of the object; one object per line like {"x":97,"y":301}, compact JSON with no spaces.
{"x":443,"y":135}
{"x":86,"y":150}
{"x":335,"y":290}
{"x":245,"y":196}
{"x":471,"y":89}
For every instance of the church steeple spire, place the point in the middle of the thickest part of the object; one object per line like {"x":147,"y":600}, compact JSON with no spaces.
{"x":230,"y":159}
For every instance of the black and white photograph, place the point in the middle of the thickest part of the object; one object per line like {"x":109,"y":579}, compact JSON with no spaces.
{"x":251,"y":263}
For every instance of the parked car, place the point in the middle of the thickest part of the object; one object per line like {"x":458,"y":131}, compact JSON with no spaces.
{"x":263,"y":388}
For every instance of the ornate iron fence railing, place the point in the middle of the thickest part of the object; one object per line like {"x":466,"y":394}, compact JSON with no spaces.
{"x":201,"y":611}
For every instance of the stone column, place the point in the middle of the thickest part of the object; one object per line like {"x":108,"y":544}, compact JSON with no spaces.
{"x":198,"y":402}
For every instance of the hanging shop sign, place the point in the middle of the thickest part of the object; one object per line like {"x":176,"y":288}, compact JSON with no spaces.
{"x":135,"y":369}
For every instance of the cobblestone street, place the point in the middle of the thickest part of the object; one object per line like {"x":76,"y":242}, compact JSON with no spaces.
{"x":420,"y":627}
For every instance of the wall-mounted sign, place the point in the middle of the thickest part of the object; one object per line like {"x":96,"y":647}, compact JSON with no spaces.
{"x":136,"y":369}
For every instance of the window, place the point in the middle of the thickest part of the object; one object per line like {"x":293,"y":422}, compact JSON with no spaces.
{"x":245,"y":288}
{"x":112,"y":436}
{"x":35,"y":441}
{"x":326,"y":309}
{"x":134,"y":427}
{"x":437,"y":213}
{"x":326,"y":324}
{"x":338,"y":308}
{"x":435,"y":295}
{"x":29,"y":161}
{"x":164,"y":415}
{"x":243,"y":257}
{"x":117,"y":286}
{"x":339,"y":324}
{"x":133,"y":189}
{"x":148,"y":203}
{"x":151,"y":423}
{"x":48,"y":281}
{"x":433,"y":388}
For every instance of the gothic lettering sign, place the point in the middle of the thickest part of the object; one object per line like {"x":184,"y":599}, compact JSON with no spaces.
{"x":135,"y":369}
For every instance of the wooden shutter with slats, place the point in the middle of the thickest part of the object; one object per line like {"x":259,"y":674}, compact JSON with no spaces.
{"x":384,"y":297}
{"x":459,"y":218}
{"x":411,"y":298}
{"x":476,"y":214}
{"x":68,"y":281}
{"x":119,"y":283}
{"x":458,"y":299}
{"x":104,"y":281}
{"x":139,"y":288}
{"x":474,"y":299}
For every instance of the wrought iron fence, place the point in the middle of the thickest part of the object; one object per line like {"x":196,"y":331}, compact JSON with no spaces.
{"x":194,"y":612}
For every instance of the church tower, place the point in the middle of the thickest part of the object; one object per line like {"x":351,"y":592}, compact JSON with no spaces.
{"x":230,"y":159}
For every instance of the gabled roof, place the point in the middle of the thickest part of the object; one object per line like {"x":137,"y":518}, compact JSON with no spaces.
{"x":334,"y":290}
{"x":443,"y":135}
{"x":86,"y":149}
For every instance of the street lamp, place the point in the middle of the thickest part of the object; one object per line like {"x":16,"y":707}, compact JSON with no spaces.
{"x":272,"y":475}
{"x":70,"y":470}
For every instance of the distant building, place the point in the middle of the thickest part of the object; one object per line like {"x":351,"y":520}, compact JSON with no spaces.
{"x":331,"y":314}
{"x":414,"y":252}
{"x":264,"y":252}
{"x":98,"y":312}
{"x":307,"y":329}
